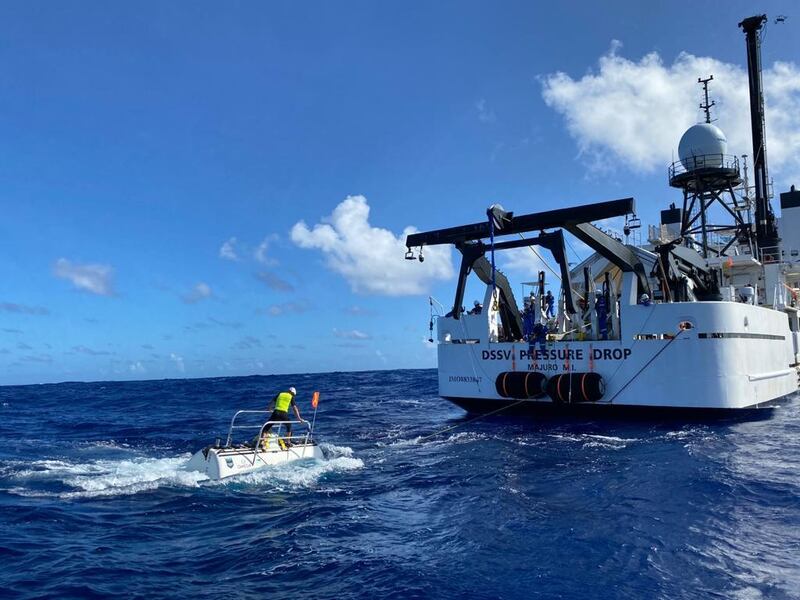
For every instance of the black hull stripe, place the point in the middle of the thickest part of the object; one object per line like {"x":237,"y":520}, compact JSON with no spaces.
{"x":745,"y":336}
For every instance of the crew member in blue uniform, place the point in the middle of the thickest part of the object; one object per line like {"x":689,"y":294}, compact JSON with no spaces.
{"x":550,"y":303}
{"x":528,"y":321}
{"x":602,"y":315}
{"x":538,"y":336}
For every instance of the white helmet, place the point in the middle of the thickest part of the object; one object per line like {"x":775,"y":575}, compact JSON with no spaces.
{"x":293,"y":391}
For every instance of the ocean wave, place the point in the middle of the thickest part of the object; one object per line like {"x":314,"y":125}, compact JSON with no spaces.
{"x":333,"y":451}
{"x":593,"y":440}
{"x":436,"y":440}
{"x":117,"y":477}
{"x":102,"y":477}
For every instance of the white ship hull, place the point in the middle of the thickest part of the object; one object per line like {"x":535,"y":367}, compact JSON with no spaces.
{"x":703,"y":316}
{"x":735,"y":356}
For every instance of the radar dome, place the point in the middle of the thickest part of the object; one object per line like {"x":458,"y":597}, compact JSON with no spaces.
{"x":702,"y":146}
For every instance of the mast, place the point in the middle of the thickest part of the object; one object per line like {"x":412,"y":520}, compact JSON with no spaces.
{"x":706,"y":107}
{"x":766,"y":229}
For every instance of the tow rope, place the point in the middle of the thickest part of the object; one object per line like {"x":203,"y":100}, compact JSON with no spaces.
{"x":478,"y":418}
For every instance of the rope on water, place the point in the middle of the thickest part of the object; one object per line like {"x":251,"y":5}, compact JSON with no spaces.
{"x":479,"y":417}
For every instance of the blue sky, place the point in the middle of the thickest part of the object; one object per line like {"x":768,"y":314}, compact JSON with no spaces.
{"x":168,"y":169}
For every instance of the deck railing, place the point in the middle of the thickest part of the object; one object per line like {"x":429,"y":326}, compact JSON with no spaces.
{"x":307,"y":437}
{"x":704,"y":163}
{"x":770,"y":254}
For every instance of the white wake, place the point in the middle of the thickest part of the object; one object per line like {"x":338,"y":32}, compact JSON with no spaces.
{"x":135,"y":473}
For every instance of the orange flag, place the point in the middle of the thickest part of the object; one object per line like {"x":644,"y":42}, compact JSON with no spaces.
{"x":315,"y":399}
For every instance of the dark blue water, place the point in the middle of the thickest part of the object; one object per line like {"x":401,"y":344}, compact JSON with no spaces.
{"x":93,"y":501}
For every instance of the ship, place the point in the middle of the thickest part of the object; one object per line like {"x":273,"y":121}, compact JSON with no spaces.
{"x":702,"y":317}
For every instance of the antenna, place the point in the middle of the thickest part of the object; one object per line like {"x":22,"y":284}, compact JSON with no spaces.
{"x":706,"y":106}
{"x":706,"y":174}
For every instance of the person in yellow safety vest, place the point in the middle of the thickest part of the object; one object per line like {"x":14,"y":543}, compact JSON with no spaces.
{"x":280,"y":412}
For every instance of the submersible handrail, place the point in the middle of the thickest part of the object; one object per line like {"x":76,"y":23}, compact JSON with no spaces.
{"x":260,"y":427}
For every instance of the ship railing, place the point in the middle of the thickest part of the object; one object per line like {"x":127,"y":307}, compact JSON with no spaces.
{"x":702,"y":162}
{"x":770,"y":254}
{"x":306,"y":437}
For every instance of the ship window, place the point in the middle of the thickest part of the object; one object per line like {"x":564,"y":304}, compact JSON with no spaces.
{"x":684,"y":325}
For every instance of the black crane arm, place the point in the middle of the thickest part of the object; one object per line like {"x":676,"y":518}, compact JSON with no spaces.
{"x":524,"y":223}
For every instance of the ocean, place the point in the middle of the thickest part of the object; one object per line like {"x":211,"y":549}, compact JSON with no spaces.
{"x":94,"y":502}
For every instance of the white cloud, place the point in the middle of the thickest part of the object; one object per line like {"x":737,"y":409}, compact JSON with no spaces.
{"x":274,"y":282}
{"x":178,"y":360}
{"x":37,"y":358}
{"x":633,"y":113}
{"x":90,"y":351}
{"x":485,"y":115}
{"x":260,"y":253}
{"x":287,"y":308}
{"x":371,"y":258}
{"x":352,"y":334}
{"x":25,"y":309}
{"x":95,"y":279}
{"x":526,"y":263}
{"x":199,"y":292}
{"x":522,"y":261}
{"x":136,"y":367}
{"x":228,"y":250}
{"x":359,"y":311}
{"x":248,"y":342}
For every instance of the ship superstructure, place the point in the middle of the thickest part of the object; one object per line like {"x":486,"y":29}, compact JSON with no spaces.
{"x":702,"y":316}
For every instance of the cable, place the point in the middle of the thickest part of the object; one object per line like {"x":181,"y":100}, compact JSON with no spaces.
{"x":494,"y":412}
{"x":544,"y":262}
{"x":635,"y":342}
{"x":656,"y":355}
{"x":441,"y":306}
{"x":539,"y":256}
{"x":577,"y":256}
